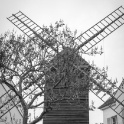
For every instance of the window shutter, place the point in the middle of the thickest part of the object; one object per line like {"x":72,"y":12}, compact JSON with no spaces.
{"x":108,"y":120}
{"x":123,"y":114}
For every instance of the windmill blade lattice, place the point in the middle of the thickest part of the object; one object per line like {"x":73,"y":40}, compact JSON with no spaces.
{"x":11,"y":100}
{"x":104,"y":89}
{"x":90,"y":38}
{"x":84,"y":42}
{"x":101,"y":30}
{"x":30,"y":28}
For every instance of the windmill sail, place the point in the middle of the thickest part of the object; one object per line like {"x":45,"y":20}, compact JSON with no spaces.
{"x":84,"y":42}
{"x":101,"y":30}
{"x":10,"y":101}
{"x":105,"y":88}
{"x":30,"y":28}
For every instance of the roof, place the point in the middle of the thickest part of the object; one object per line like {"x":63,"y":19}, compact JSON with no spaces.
{"x":107,"y":103}
{"x":111,"y":100}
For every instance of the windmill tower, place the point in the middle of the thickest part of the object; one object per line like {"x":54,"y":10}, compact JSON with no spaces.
{"x":81,"y":45}
{"x":70,"y":110}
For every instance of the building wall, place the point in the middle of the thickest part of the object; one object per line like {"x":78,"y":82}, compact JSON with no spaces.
{"x":120,"y":107}
{"x":108,"y":112}
{"x":68,"y":112}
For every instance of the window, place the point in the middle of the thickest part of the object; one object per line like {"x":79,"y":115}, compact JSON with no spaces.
{"x":122,"y":86}
{"x":108,"y":120}
{"x":112,"y":120}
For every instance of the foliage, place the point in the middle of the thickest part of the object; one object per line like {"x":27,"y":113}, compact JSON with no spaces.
{"x":32,"y":68}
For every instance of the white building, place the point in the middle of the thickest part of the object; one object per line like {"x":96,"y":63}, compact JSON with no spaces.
{"x":110,"y":116}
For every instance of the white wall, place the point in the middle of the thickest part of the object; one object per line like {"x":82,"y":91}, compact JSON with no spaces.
{"x":95,"y":116}
{"x":107,"y":113}
{"x":119,"y":108}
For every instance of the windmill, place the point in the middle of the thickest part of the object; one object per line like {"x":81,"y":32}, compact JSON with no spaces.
{"x":79,"y":45}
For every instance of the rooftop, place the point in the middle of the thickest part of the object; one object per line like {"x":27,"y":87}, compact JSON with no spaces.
{"x":107,"y":103}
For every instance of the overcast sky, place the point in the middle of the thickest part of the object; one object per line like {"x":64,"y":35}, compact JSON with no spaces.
{"x":77,"y":14}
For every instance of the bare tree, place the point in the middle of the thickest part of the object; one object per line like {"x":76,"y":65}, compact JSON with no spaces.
{"x":30,"y":69}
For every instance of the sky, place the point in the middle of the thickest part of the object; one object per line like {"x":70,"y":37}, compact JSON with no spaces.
{"x":77,"y":14}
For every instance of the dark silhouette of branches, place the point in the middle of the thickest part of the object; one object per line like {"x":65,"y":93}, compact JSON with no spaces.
{"x":31,"y":69}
